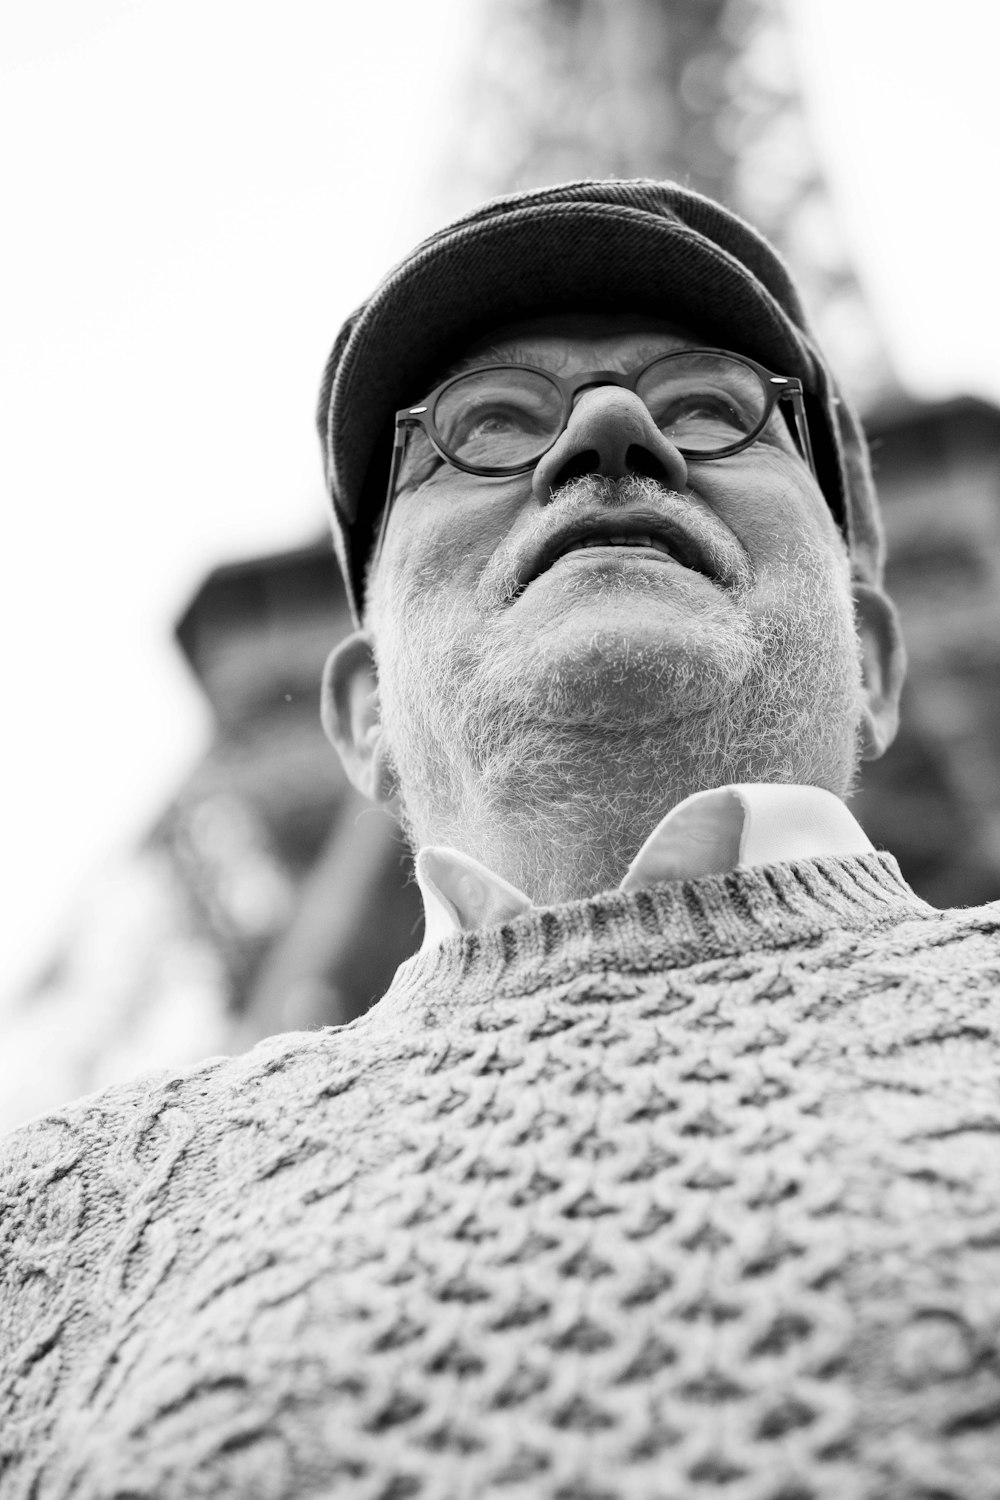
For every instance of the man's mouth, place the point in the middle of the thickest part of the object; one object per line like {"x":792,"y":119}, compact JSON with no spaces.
{"x":641,"y":533}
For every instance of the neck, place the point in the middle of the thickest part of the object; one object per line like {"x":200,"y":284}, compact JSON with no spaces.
{"x":553,"y":822}
{"x":561,"y":815}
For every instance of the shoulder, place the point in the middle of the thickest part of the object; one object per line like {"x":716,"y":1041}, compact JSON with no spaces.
{"x":972,"y":931}
{"x":111,"y":1195}
{"x":119,"y":1138}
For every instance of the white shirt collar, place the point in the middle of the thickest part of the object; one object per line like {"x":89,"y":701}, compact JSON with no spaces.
{"x":710,"y":833}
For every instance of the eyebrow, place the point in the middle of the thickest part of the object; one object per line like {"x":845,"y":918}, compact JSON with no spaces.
{"x":493,"y":354}
{"x":524,"y":354}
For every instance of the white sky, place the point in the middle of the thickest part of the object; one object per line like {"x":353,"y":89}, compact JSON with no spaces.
{"x":195,"y":193}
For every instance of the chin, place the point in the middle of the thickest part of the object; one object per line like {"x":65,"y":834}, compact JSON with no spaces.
{"x":625,"y":669}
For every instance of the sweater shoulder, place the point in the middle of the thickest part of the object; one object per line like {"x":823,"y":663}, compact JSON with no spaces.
{"x":281,"y":1075}
{"x":974,"y":928}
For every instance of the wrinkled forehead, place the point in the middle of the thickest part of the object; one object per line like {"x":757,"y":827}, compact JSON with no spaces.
{"x":568,"y":342}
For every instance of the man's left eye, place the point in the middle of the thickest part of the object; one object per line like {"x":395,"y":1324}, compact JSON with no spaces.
{"x":701,"y":410}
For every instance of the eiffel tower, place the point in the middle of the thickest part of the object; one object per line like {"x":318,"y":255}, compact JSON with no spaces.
{"x":269,"y":897}
{"x":704,"y":92}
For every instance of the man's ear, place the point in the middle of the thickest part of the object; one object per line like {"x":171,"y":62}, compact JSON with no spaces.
{"x":351,"y":715}
{"x":883,"y":666}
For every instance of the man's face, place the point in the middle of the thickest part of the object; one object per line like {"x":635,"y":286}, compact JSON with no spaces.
{"x":707,"y":634}
{"x":456,"y":537}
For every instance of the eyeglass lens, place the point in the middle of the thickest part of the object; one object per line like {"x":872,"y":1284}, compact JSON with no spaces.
{"x":703,"y":402}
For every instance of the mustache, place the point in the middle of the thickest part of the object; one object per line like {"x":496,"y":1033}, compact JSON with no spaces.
{"x":590,"y":495}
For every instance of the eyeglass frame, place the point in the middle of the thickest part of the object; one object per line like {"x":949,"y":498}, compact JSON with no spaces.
{"x":777,"y":388}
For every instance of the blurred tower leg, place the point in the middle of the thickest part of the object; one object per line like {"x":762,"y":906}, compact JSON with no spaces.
{"x":351,"y":925}
{"x":268,"y":896}
{"x":257,"y":634}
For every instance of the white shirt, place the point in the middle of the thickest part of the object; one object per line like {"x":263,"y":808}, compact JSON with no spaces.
{"x":710,"y":833}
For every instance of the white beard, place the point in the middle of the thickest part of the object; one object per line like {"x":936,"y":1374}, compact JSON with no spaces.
{"x":553,"y":773}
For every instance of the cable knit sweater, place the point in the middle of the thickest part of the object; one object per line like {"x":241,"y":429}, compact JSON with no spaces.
{"x":681,"y":1194}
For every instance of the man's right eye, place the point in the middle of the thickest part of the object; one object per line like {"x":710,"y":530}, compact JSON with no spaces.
{"x":491,"y":422}
{"x":483,"y":422}
{"x":495,"y":432}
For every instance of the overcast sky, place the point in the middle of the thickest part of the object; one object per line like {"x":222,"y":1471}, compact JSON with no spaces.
{"x":195,"y":194}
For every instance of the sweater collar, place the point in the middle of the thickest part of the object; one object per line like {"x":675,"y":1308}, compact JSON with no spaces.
{"x":739,"y":924}
{"x":709,"y":833}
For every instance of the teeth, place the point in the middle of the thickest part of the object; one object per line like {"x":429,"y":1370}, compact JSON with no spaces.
{"x":632,"y":539}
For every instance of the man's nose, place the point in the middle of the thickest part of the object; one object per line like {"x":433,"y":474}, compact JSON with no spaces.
{"x":610,"y":432}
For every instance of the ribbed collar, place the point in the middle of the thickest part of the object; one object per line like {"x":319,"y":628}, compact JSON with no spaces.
{"x":664,"y":927}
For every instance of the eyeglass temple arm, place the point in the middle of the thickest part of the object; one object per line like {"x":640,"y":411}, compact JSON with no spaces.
{"x":802,"y":428}
{"x":398,"y":449}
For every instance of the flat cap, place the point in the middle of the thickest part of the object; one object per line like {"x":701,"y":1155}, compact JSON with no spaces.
{"x":592,"y":246}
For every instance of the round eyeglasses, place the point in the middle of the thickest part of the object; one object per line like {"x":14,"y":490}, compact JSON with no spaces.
{"x":500,"y":420}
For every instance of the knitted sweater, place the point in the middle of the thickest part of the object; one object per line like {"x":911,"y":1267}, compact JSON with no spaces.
{"x":687,"y":1193}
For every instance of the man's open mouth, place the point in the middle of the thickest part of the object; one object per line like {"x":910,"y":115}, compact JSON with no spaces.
{"x":657,"y":535}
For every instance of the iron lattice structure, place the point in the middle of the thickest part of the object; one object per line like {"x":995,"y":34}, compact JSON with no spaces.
{"x":702,"y":91}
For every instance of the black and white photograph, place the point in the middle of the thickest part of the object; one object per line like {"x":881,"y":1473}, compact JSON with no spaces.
{"x":500,"y":993}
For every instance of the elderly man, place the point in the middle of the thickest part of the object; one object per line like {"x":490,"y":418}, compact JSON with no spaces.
{"x":667,"y":1167}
